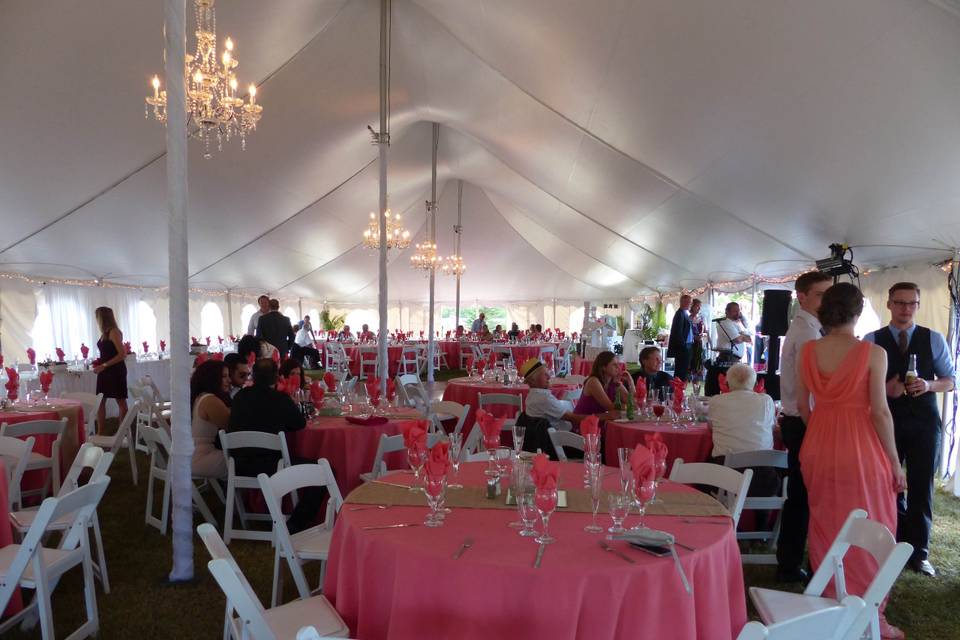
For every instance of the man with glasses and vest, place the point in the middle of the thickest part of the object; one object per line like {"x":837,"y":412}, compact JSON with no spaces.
{"x":916,"y":414}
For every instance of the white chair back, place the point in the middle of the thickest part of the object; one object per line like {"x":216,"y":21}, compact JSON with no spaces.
{"x":501,"y":399}
{"x":771,"y":458}
{"x":91,"y":403}
{"x":15,"y":454}
{"x":243,"y":440}
{"x":242,"y":598}
{"x":91,"y":457}
{"x":732,"y":484}
{"x":561,"y":439}
{"x":387,"y":444}
{"x":444,"y":409}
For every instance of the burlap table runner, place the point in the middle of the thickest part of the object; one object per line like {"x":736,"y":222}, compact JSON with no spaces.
{"x":674,"y":503}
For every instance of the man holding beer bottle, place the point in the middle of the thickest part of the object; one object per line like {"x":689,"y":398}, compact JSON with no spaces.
{"x":918,"y":367}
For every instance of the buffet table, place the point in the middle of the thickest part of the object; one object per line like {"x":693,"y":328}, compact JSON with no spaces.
{"x":401,"y":583}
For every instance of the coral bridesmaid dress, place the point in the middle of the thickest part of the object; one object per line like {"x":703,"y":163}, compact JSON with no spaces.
{"x":843,"y":463}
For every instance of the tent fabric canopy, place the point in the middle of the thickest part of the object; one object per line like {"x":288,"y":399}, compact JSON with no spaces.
{"x":607,"y":149}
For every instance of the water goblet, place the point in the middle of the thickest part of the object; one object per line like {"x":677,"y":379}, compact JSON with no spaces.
{"x":528,"y":512}
{"x":643,"y":493}
{"x":518,"y":434}
{"x":456,"y":445}
{"x":596,"y":483}
{"x":416,"y":457}
{"x":490,"y":444}
{"x":546,"y":501}
{"x":433,"y":487}
{"x":502,"y":457}
{"x":619,"y":506}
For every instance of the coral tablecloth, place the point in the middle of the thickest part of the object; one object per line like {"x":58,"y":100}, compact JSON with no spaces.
{"x":6,"y":536}
{"x":404,"y":583}
{"x":74,"y":436}
{"x":693,"y":444}
{"x":467,"y":390}
{"x":350,"y":448}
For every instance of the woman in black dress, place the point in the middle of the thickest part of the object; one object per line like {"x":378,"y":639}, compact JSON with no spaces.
{"x":112,"y":368}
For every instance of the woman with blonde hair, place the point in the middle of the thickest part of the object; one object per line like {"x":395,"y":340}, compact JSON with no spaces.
{"x":111,"y":368}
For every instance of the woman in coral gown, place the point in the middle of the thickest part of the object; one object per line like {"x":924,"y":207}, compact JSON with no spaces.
{"x":849,"y":457}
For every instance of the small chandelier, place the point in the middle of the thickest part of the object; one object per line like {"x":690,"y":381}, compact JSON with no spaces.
{"x":453,"y":266}
{"x":426,"y":257}
{"x":397,"y":236}
{"x":213,"y":108}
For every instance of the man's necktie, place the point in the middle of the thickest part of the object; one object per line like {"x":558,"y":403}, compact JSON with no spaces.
{"x":904,"y":343}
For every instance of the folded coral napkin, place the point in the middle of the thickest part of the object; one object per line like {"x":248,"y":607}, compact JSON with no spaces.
{"x":414,"y":433}
{"x":590,"y":426}
{"x":545,"y":474}
{"x":330,"y":380}
{"x":85,"y":350}
{"x":490,"y":425}
{"x":146,"y":346}
{"x":656,"y":445}
{"x":316,"y":393}
{"x":439,"y":461}
{"x":61,"y":356}
{"x":643,"y":465}
{"x":32,"y":355}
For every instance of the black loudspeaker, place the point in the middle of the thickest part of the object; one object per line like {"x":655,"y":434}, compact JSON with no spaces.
{"x":776,"y":312}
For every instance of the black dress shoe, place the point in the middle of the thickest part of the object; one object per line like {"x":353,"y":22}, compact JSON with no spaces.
{"x":795,"y":574}
{"x":924,"y":567}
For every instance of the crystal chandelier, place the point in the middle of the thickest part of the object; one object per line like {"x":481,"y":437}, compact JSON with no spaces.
{"x":453,"y":266}
{"x":397,"y":236}
{"x":214,"y":111}
{"x":426,"y":257}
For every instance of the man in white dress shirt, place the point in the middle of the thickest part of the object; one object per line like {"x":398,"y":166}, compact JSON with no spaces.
{"x":805,"y":327}
{"x":732,"y":334}
{"x":264,"y":302}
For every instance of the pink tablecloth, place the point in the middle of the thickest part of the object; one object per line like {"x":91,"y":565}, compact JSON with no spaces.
{"x":75,"y":435}
{"x":350,"y":448}
{"x":404,"y":583}
{"x":467,"y":391}
{"x":693,"y":444}
{"x":6,"y":536}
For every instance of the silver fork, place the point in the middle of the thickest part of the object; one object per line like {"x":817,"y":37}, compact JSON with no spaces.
{"x":463,"y":547}
{"x":373,"y":506}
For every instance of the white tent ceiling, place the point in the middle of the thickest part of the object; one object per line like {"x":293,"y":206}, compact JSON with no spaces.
{"x":607,"y":148}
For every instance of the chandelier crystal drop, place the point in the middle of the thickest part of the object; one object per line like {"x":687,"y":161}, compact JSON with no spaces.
{"x":214,"y":110}
{"x":453,"y":266}
{"x":397,"y":236}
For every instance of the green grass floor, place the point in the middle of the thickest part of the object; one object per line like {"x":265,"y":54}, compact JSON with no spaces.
{"x":142,"y":605}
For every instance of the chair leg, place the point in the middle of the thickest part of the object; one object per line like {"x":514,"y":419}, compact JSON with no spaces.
{"x":218,"y":490}
{"x":101,"y":565}
{"x":133,"y":458}
{"x":44,"y":606}
{"x":92,"y":624}
{"x":228,"y":517}
{"x":201,"y":505}
{"x":148,"y":507}
{"x":165,"y":509}
{"x":277,"y":585}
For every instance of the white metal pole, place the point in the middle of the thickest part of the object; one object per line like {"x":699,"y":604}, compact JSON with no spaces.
{"x":383,"y":142}
{"x":431,"y":346}
{"x":182,"y":440}
{"x":459,"y":231}
{"x":952,"y":330}
{"x":229,"y":314}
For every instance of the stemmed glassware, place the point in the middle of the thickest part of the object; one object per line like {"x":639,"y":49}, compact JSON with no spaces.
{"x":596,"y":482}
{"x":521,"y":484}
{"x":546,"y":501}
{"x":626,"y":475}
{"x":660,"y":466}
{"x":434,"y":487}
{"x":491,"y":443}
{"x":643,"y":493}
{"x":619,"y":507}
{"x":417,"y":457}
{"x":456,"y":446}
{"x":502,"y":457}
{"x":518,"y":433}
{"x":528,"y":512}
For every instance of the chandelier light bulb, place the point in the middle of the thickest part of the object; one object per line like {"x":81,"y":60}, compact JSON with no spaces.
{"x":226,"y":58}
{"x":198,"y":77}
{"x":155,"y":82}
{"x":228,"y":44}
{"x":233,"y":84}
{"x":253,"y":94}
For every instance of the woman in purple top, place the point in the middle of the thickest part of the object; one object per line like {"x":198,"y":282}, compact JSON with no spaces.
{"x":605,"y":384}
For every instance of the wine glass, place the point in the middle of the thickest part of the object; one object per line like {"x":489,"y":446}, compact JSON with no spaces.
{"x":626,"y":475}
{"x":502,"y":457}
{"x":660,"y":467}
{"x":528,"y":512}
{"x":490,"y":444}
{"x":619,"y":506}
{"x":596,"y":482}
{"x":520,"y":483}
{"x":417,"y":457}
{"x":546,"y":501}
{"x":658,"y":410}
{"x":643,"y":493}
{"x":518,"y":433}
{"x":456,"y":445}
{"x":434,"y":487}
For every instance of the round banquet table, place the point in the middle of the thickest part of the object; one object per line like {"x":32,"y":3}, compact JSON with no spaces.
{"x":467,"y":391}
{"x":522,"y":353}
{"x":6,"y":537}
{"x":349,"y":448}
{"x":693,"y":443}
{"x":74,"y":436}
{"x":404,"y":583}
{"x":353,"y":353}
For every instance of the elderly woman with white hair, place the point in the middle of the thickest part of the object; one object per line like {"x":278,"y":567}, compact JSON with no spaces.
{"x":742,"y":420}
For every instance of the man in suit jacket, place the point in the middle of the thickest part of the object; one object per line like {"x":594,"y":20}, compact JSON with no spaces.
{"x":680,"y":347}
{"x":275,"y":328}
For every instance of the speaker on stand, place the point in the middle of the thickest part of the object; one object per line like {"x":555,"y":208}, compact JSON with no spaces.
{"x":774,"y":323}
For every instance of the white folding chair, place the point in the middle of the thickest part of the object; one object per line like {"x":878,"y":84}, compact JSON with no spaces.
{"x":98,"y":461}
{"x":158,"y":444}
{"x":831,"y":623}
{"x":561,"y":439}
{"x":387,"y":444}
{"x":90,"y":402}
{"x":869,"y":535}
{"x":15,"y":454}
{"x":38,"y":461}
{"x":439,"y":357}
{"x":732,"y":485}
{"x":335,"y":357}
{"x":504,"y":354}
{"x":254,"y":622}
{"x":486,"y":400}
{"x":248,"y":440}
{"x":30,"y":565}
{"x":144,"y":415}
{"x":312,"y":544}
{"x":409,"y":361}
{"x":122,"y":437}
{"x":446,"y":409}
{"x":563,"y":358}
{"x":752,"y":459}
{"x":469,"y":351}
{"x":369,"y":363}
